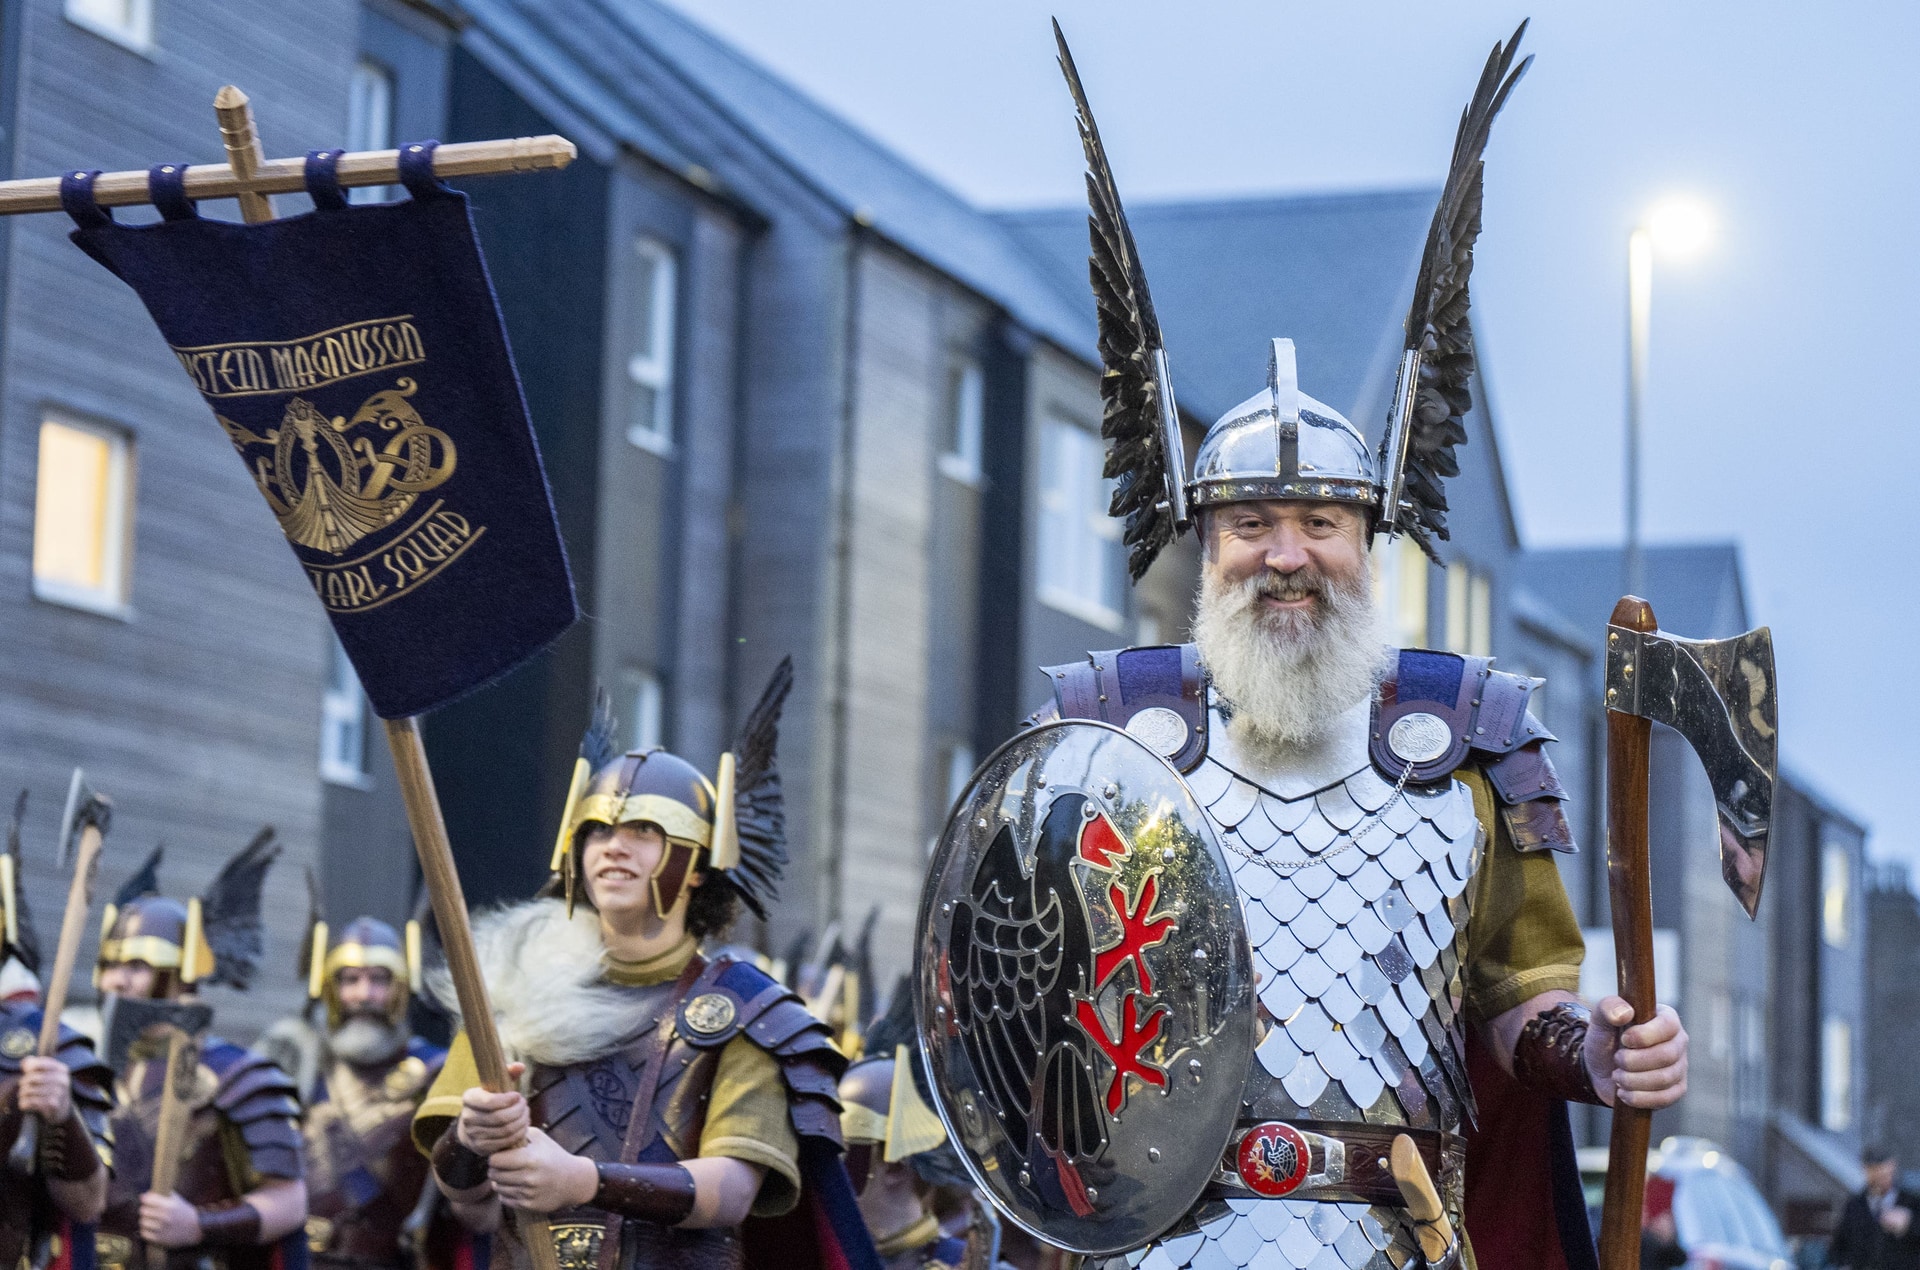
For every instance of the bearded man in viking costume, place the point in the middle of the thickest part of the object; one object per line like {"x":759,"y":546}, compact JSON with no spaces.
{"x":71,"y":1092}
{"x":240,"y":1190}
{"x":1374,"y":1057}
{"x":371,"y":1204}
{"x":667,"y":1097}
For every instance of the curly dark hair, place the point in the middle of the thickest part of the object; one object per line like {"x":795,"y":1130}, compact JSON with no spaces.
{"x":714,"y":904}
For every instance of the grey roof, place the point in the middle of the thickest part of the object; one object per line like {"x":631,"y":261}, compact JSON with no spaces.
{"x":638,"y":74}
{"x":1695,"y":590}
{"x":1332,"y":271}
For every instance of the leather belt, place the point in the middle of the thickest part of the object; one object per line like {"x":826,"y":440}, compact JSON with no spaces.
{"x":1333,"y":1160}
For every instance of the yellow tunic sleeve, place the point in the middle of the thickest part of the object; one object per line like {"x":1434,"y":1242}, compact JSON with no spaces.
{"x":747,"y":1120}
{"x":442,"y":1105}
{"x":1522,"y":938}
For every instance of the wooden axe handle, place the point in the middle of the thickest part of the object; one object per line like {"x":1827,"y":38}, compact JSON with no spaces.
{"x":73,"y":927}
{"x":1628,"y":739}
{"x":1434,"y":1229}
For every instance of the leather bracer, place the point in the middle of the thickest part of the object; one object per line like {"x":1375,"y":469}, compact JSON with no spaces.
{"x":661,"y":1193}
{"x":66,"y":1150}
{"x":229,"y":1224}
{"x":1550,"y":1055}
{"x":456,"y":1164}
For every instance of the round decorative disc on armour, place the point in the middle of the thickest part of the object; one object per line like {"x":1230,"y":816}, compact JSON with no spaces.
{"x":1161,"y":730}
{"x":1273,"y":1159}
{"x":709,"y":1013}
{"x":17,"y":1043}
{"x":1419,"y":737}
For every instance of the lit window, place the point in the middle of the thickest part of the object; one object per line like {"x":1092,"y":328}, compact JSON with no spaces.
{"x":1469,"y":611}
{"x":1081,"y":568}
{"x":128,"y":23}
{"x":1836,"y":895}
{"x":1400,"y":590}
{"x":343,"y":723}
{"x":370,"y":120}
{"x":82,"y":516}
{"x":960,"y":457}
{"x":642,"y":709}
{"x":650,"y":351}
{"x":1836,"y":1074}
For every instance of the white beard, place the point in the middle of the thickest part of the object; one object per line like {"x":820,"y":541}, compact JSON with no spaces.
{"x":367,"y":1041}
{"x":542,"y":973}
{"x":1288,"y":675}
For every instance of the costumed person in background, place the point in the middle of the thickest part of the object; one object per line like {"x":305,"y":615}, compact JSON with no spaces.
{"x":668,"y":1097}
{"x":240,"y":1199}
{"x":371,"y":1204}
{"x":1386,"y":823}
{"x":45,"y":1214}
{"x":898,"y":1156}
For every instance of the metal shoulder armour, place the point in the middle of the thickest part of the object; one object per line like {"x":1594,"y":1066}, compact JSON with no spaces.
{"x":773,"y":1018}
{"x":1156,"y":693}
{"x":261,"y":1102}
{"x":1439,"y":711}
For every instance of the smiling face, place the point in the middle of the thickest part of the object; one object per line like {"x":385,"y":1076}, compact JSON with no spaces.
{"x":1293,"y":551}
{"x":618,"y":865}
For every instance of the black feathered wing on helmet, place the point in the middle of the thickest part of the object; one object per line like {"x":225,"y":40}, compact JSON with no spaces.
{"x":145,"y":880}
{"x":230,"y":912}
{"x":759,"y":807}
{"x":18,"y":938}
{"x":1437,"y":324}
{"x":1138,"y":416}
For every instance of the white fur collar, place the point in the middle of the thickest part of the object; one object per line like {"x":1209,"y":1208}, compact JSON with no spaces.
{"x":543,"y":976}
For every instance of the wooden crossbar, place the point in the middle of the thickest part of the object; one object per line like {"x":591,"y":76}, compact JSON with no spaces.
{"x":288,"y":176}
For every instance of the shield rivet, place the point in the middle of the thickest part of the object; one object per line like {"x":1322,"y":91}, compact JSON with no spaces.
{"x":981,"y":823}
{"x":1200,"y":955}
{"x":946,"y":910}
{"x":1167,"y":855}
{"x":1092,"y":1194}
{"x":1153,"y":1154}
{"x":1111,"y":792}
{"x":1026,"y":1178}
{"x":1193,"y":1067}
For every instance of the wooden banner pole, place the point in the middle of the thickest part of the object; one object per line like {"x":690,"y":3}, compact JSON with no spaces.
{"x":410,"y":758}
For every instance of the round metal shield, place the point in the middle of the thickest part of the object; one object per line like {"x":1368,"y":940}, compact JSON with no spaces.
{"x":1084,"y":988}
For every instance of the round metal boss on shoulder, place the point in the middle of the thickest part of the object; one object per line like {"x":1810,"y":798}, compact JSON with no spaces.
{"x":710,"y":1013}
{"x":1419,"y":737}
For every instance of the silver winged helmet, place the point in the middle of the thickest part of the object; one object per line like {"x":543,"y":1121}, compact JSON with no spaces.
{"x":1282,"y":443}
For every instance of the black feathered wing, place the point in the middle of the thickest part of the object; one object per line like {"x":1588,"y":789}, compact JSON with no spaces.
{"x":760,"y":809}
{"x":1013,"y":974}
{"x":230,"y":911}
{"x":26,"y":944}
{"x":1437,"y":324}
{"x":1133,"y":389}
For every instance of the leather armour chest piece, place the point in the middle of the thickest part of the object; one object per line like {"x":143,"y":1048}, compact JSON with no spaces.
{"x":1358,"y":920}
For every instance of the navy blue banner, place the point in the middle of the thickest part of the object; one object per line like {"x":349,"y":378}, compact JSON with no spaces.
{"x":356,"y":359}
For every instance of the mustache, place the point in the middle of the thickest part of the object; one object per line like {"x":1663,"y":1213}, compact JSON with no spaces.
{"x":1302,"y":584}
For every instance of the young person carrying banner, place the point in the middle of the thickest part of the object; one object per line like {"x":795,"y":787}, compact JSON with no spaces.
{"x":668,"y":1098}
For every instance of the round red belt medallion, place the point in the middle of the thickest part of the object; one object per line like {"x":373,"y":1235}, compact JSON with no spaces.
{"x":1273,"y":1159}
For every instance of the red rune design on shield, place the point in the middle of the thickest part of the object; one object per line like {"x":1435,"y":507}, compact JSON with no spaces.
{"x":1101,"y":844}
{"x":1273,"y":1159}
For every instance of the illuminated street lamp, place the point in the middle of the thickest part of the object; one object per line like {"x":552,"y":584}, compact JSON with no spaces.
{"x":1679,"y":227}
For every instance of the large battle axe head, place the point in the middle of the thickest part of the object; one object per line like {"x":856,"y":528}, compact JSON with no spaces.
{"x":84,"y":807}
{"x":1719,"y":695}
{"x":125,"y":1020}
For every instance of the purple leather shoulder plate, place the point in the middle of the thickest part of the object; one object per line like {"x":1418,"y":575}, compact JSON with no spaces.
{"x":1119,"y":684}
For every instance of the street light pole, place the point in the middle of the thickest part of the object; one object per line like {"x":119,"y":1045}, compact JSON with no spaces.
{"x":1639,"y":310}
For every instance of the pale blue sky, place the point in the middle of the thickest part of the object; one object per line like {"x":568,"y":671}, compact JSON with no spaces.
{"x":1786,"y":360}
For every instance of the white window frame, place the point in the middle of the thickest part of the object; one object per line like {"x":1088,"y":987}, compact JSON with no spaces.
{"x":1400,"y":579}
{"x":1076,"y":538}
{"x":966,"y":417}
{"x":136,"y":35}
{"x":644,"y":708}
{"x":113,"y":598}
{"x":653,"y":368}
{"x":343,"y":723}
{"x":1469,"y":610}
{"x":370,"y":94}
{"x":1836,"y":1074}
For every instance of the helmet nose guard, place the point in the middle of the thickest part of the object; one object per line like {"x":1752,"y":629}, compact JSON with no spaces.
{"x":1281,"y":443}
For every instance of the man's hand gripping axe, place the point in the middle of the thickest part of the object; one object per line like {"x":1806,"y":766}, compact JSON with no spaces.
{"x":134,"y":1027}
{"x":1719,"y":695}
{"x":82,"y":831}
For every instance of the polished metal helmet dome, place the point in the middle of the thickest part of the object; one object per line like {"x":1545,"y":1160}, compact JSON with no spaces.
{"x":1281,"y":443}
